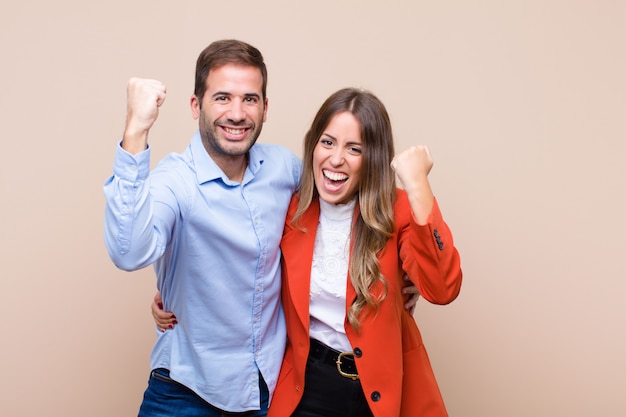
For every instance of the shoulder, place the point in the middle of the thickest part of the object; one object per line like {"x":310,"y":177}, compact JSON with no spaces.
{"x":309,"y":218}
{"x":272,"y":151}
{"x":277,"y":157}
{"x":295,"y":200}
{"x":291,"y":210}
{"x":179,"y":163}
{"x":176,"y":172}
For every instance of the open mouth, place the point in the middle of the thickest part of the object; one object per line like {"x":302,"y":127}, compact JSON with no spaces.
{"x":236,"y":132}
{"x":334,"y":179}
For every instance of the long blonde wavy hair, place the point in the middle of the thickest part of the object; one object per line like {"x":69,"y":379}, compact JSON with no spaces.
{"x":374,"y":224}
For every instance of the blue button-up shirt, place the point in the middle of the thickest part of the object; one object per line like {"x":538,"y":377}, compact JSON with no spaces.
{"x":214,"y":244}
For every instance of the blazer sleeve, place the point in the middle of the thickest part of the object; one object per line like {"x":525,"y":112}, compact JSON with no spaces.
{"x":428,"y":254}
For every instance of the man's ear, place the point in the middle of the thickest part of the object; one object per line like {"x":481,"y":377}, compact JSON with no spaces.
{"x":265,"y":110}
{"x":195,"y":107}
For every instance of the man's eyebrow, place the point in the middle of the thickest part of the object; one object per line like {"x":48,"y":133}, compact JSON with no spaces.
{"x":227,"y":93}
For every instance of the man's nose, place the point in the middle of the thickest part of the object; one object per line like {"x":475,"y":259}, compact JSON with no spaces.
{"x":236,"y":112}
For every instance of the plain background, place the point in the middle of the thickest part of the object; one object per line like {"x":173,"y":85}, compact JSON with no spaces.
{"x":522,"y":104}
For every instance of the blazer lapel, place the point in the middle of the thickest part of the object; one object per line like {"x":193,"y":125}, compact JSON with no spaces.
{"x":298,"y":254}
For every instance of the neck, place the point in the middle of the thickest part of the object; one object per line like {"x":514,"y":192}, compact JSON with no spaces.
{"x":233,"y":166}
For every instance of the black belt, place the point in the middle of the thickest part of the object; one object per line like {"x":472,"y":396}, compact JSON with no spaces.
{"x":343,"y":361}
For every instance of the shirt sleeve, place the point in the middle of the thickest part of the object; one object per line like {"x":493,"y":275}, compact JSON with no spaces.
{"x":135,"y":234}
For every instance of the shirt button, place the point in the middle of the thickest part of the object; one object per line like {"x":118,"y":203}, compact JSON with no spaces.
{"x":375,"y":396}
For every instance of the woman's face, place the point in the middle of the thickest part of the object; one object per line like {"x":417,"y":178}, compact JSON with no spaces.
{"x":337,"y":159}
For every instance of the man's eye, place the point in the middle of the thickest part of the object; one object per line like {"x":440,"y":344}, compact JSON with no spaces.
{"x":250,"y":100}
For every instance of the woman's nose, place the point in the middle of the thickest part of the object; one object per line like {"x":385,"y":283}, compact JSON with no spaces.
{"x":336,"y":158}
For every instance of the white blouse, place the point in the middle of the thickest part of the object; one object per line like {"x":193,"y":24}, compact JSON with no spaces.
{"x":329,"y":274}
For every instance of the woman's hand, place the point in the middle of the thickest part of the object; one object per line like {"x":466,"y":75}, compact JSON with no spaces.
{"x":413,"y":294}
{"x":164,"y":319}
{"x":412,"y":167}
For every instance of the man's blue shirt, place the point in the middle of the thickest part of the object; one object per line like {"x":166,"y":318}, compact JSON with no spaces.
{"x":214,"y":244}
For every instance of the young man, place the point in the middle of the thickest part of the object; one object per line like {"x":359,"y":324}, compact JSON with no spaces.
{"x":210,"y":220}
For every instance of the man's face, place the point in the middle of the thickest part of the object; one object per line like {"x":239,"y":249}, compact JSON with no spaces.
{"x":232,"y":111}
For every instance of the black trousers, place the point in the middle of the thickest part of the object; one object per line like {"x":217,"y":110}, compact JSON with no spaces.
{"x":328,"y":394}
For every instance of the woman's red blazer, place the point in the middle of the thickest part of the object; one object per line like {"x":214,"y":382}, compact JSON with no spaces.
{"x":394,"y":368}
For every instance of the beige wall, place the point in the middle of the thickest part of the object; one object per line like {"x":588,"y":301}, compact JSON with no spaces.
{"x":521,"y":102}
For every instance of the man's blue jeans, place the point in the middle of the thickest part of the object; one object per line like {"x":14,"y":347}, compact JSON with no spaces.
{"x":165,"y":397}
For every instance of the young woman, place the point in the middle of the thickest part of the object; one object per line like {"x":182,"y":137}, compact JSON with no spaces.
{"x":350,"y":236}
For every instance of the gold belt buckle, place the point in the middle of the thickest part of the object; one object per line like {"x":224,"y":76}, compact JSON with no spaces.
{"x":342,"y":373}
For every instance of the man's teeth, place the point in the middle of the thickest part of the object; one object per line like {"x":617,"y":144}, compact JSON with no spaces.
{"x":234,"y":131}
{"x":335,"y":176}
